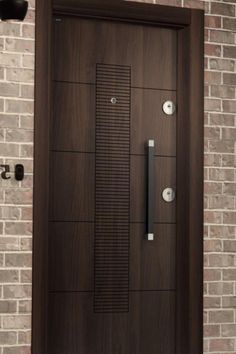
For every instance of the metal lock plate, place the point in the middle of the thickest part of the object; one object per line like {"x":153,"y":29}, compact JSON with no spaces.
{"x":168,"y":108}
{"x":168,"y":195}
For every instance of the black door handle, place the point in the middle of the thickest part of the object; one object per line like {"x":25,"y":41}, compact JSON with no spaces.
{"x":150,"y":192}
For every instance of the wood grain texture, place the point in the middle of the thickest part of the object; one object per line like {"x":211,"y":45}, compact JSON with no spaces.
{"x":107,"y":42}
{"x":72,"y":187}
{"x":75,"y":329}
{"x":165,"y":176}
{"x":148,"y":121}
{"x":42,"y":111}
{"x":190,"y":188}
{"x":152,"y":264}
{"x":196,"y":147}
{"x":71,"y":256}
{"x":73,"y":117}
{"x":189,"y":245}
{"x":165,"y":16}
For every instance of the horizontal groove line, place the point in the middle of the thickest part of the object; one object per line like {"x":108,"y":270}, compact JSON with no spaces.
{"x":105,"y":105}
{"x":109,"y":95}
{"x":107,"y":66}
{"x":113,"y":134}
{"x":122,"y":88}
{"x":113,"y":287}
{"x":112,"y":90}
{"x":123,"y":265}
{"x":111,"y":179}
{"x":112,"y":247}
{"x":113,"y":184}
{"x":116,"y":256}
{"x":109,"y":304}
{"x":114,"y":145}
{"x":112,"y":277}
{"x":111,"y":119}
{"x":112,"y":110}
{"x":121,"y":85}
{"x":114,"y":237}
{"x":113,"y":68}
{"x":104,"y":141}
{"x":112,"y":150}
{"x":102,"y":264}
{"x":112,"y":242}
{"x":122,"y":81}
{"x":101,"y":160}
{"x":101,"y":175}
{"x":120,"y":99}
{"x":111,"y":307}
{"x":119,"y":78}
{"x":109,"y":72}
{"x":106,"y":297}
{"x":109,"y":125}
{"x":119,"y":150}
{"x":112,"y":208}
{"x":123,"y":276}
{"x":120,"y":105}
{"x":112,"y":310}
{"x":108,"y":81}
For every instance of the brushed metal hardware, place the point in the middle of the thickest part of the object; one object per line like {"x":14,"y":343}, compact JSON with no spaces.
{"x":168,"y":108}
{"x":113,"y":100}
{"x":168,"y":195}
{"x":150,"y":191}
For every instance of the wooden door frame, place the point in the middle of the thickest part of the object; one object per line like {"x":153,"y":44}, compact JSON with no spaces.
{"x":190,"y":25}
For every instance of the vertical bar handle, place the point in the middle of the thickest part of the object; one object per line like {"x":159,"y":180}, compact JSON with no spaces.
{"x":150,"y":191}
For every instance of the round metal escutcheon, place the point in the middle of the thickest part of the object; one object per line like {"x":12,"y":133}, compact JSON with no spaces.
{"x":113,"y":100}
{"x":168,"y":108}
{"x":168,"y":195}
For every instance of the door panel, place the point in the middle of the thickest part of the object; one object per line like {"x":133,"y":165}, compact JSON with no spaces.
{"x":75,"y":329}
{"x":71,"y":256}
{"x":148,"y":121}
{"x":80,"y":45}
{"x":72,"y":187}
{"x":74,"y":109}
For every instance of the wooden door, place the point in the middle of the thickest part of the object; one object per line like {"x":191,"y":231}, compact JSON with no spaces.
{"x":111,"y":290}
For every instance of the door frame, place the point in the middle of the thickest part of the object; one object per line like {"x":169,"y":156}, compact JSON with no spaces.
{"x":190,"y":25}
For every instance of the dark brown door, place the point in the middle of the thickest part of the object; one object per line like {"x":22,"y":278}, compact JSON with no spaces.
{"x":112,"y":289}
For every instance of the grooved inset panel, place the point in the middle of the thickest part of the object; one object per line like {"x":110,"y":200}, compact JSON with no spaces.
{"x":112,"y":183}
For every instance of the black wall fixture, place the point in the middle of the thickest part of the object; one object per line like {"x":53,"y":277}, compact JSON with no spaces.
{"x":13,"y":9}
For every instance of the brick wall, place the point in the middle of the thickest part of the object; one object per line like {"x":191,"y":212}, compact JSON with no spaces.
{"x":16,"y":144}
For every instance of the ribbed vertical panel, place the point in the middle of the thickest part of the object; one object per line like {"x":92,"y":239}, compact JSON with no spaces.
{"x":112,"y":212}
